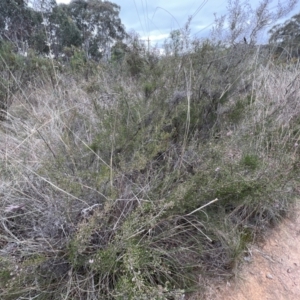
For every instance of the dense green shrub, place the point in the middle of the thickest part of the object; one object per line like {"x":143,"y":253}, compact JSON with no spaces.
{"x":129,"y":179}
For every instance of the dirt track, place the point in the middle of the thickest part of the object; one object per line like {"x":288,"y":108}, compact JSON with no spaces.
{"x":271,"y":272}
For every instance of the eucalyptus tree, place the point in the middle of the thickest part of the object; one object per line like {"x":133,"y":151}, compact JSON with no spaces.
{"x":62,"y":30}
{"x":99,"y":24}
{"x":19,"y":23}
{"x":286,"y":37}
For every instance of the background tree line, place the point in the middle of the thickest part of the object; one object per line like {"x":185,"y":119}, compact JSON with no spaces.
{"x":44,"y":26}
{"x":286,"y":37}
{"x":93,"y":26}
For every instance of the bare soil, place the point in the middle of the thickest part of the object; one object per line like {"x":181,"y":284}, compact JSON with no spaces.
{"x":270,"y":272}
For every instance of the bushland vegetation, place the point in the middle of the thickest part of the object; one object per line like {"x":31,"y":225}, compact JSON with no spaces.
{"x":142,"y":175}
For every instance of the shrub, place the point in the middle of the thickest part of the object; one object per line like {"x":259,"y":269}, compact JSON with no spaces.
{"x":110,"y":195}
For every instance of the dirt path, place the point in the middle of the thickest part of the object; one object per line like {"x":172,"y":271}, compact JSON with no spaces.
{"x":271,"y":272}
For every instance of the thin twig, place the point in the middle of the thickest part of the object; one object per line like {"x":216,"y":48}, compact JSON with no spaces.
{"x":209,"y":203}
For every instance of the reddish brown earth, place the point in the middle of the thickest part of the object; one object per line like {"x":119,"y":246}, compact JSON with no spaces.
{"x":272,"y":270}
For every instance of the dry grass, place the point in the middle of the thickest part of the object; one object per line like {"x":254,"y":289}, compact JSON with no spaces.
{"x":107,"y":192}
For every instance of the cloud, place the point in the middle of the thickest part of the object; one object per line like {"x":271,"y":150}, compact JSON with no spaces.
{"x":155,"y":37}
{"x":156,"y":19}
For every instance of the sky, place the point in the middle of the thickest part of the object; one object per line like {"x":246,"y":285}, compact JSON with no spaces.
{"x":155,"y":19}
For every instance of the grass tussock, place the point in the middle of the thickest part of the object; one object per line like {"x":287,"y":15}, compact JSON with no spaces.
{"x":130,"y":179}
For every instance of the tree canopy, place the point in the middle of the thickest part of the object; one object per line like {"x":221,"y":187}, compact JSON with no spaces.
{"x":92,"y":25}
{"x":19,"y":23}
{"x":286,"y":36}
{"x":99,"y":24}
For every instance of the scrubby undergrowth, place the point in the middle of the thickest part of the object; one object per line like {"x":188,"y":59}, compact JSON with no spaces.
{"x":128,"y":180}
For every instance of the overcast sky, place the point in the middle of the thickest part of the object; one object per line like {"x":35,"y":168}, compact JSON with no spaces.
{"x":156,"y":18}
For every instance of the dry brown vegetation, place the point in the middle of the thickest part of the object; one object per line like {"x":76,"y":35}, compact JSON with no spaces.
{"x":109,"y":172}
